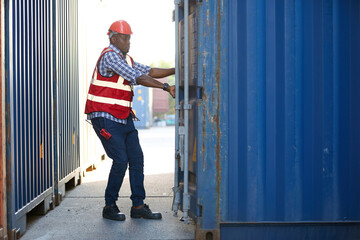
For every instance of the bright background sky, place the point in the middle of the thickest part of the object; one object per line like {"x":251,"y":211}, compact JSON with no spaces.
{"x":151,"y":23}
{"x":153,"y":40}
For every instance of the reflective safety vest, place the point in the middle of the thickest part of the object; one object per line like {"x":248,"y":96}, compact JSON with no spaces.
{"x":110,"y":94}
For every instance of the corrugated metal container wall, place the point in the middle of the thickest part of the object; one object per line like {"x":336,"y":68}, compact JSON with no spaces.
{"x":3,"y":212}
{"x":67,"y":78}
{"x":279,"y":131}
{"x":142,"y":106}
{"x":29,"y":142}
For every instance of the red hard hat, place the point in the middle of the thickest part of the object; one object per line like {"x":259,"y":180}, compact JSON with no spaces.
{"x":120,"y":26}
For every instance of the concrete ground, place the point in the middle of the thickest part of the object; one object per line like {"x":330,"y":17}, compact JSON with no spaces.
{"x":79,"y":214}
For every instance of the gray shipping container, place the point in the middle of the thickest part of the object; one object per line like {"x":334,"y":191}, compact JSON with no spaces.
{"x":66,"y":87}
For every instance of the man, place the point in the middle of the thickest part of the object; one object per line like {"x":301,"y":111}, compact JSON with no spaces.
{"x":109,"y":108}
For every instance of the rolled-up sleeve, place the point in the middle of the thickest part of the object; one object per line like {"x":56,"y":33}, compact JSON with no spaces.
{"x":142,"y":68}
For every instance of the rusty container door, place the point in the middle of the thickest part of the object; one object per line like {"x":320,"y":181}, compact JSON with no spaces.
{"x":194,"y":94}
{"x":29,"y":110}
{"x":67,"y":163}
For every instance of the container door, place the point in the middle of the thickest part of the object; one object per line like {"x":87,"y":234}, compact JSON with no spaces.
{"x":194,"y":95}
{"x":29,"y":112}
{"x":67,"y":96}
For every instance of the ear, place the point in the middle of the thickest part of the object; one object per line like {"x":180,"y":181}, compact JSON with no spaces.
{"x":113,"y":40}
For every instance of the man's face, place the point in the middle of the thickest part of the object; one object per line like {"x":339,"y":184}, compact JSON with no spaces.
{"x":122,"y":42}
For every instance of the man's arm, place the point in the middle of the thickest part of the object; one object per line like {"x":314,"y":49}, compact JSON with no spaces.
{"x":148,"y":81}
{"x":161,"y":72}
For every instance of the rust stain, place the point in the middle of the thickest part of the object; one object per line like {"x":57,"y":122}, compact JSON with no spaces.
{"x":8,"y":155}
{"x":203,"y":125}
{"x":218,"y":131}
{"x":194,"y":152}
{"x":2,"y":186}
{"x":7,"y":125}
{"x":203,"y":142}
{"x":204,"y":233}
{"x":203,"y":75}
{"x":207,"y":17}
{"x":42,"y":151}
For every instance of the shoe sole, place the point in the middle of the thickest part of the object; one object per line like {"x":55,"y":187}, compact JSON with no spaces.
{"x":113,"y":219}
{"x":139,"y":216}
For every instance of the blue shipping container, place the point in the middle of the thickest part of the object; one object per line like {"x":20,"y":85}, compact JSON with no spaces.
{"x":278,"y":112}
{"x":42,"y":124}
{"x":29,"y":110}
{"x":142,"y":106}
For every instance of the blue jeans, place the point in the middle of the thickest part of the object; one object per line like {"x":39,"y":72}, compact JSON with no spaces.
{"x":123,"y":148}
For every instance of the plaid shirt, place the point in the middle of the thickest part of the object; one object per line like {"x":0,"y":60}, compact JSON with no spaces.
{"x":111,"y":63}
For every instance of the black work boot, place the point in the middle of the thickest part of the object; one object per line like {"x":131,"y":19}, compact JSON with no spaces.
{"x":112,"y":212}
{"x":144,"y":212}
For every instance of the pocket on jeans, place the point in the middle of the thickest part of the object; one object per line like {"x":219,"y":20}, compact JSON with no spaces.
{"x":103,"y":122}
{"x":98,"y":123}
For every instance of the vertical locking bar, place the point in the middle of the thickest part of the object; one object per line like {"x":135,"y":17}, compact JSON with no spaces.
{"x":176,"y":189}
{"x":186,"y":196}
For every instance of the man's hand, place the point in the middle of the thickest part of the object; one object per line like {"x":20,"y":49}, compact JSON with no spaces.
{"x":171,"y":90}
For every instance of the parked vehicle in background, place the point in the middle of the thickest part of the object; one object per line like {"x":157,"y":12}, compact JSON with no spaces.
{"x":157,"y":122}
{"x":170,"y":120}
